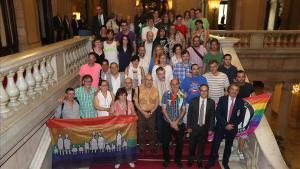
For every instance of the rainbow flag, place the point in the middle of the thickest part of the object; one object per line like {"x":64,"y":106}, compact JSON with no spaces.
{"x":81,"y":142}
{"x":255,"y":108}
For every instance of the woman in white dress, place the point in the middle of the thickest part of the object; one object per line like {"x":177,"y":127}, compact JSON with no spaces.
{"x":176,"y":54}
{"x":110,"y":48}
{"x":103,"y":100}
{"x":163,"y":63}
{"x":135,"y":71}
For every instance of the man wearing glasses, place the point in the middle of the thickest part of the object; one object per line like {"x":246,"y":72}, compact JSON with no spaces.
{"x":125,"y":31}
{"x":200,"y":124}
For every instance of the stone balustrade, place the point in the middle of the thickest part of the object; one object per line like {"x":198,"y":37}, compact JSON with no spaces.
{"x":30,"y":74}
{"x":262,"y":38}
{"x":30,"y":83}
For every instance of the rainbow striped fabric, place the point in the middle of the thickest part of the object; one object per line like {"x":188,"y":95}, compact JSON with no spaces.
{"x":255,"y":108}
{"x":101,"y":140}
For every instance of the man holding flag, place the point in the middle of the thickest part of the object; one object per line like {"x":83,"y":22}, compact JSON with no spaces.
{"x":246,"y":90}
{"x":229,"y":113}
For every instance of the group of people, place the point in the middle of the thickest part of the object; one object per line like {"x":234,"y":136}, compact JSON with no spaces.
{"x":173,"y":87}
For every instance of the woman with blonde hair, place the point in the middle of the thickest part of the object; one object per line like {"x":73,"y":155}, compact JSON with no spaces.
{"x":157,"y":52}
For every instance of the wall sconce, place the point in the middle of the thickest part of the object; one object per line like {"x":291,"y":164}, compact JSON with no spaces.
{"x":214,"y":4}
{"x":170,"y":4}
{"x":296,"y":89}
{"x":77,"y":15}
{"x":137,"y":2}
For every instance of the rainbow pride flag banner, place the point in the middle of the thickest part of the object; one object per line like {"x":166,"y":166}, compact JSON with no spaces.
{"x":255,"y":108}
{"x":104,"y":140}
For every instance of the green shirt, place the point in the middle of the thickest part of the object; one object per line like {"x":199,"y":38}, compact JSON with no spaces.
{"x":209,"y":56}
{"x":86,"y":101}
{"x":205,"y":24}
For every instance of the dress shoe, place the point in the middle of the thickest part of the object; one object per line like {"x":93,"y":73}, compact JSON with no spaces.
{"x":226,"y":167}
{"x":200,"y":166}
{"x":179,"y":164}
{"x":165,"y":164}
{"x":142,"y":152}
{"x":190,"y":163}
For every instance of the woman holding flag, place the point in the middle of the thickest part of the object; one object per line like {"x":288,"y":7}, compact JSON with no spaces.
{"x":122,"y":107}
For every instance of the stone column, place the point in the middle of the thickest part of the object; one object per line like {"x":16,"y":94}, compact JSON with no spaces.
{"x":284,"y":110}
{"x":295,"y":110}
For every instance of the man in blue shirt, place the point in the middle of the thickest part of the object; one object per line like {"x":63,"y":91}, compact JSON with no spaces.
{"x":190,"y":85}
{"x":183,"y":69}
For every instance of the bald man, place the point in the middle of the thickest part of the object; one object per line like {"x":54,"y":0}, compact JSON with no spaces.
{"x":146,"y":100}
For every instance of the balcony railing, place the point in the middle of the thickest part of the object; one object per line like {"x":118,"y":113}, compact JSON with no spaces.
{"x":262,"y":38}
{"x":30,"y":83}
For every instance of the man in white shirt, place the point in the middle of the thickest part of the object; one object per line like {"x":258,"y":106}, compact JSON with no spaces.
{"x":144,"y":61}
{"x":200,"y":123}
{"x":149,"y":46}
{"x":115,"y":78}
{"x":149,"y":27}
{"x":163,"y":86}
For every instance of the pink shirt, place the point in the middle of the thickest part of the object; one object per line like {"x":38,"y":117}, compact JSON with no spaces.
{"x":93,"y":71}
{"x":119,"y":111}
{"x":194,"y":58}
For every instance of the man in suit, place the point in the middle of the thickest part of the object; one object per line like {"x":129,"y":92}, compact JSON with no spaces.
{"x":200,"y":123}
{"x":58,"y":28}
{"x":115,"y":78}
{"x":98,"y":21}
{"x":66,"y":26}
{"x":230,"y":113}
{"x":75,"y":26}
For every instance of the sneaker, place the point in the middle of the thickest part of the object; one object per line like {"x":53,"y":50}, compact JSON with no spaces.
{"x":131,"y":165}
{"x":117,"y":166}
{"x":241,"y":155}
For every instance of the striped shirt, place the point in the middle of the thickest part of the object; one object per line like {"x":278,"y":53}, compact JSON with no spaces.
{"x":86,"y":101}
{"x":217,"y":85}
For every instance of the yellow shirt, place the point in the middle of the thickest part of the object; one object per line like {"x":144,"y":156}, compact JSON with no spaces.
{"x":147,"y":98}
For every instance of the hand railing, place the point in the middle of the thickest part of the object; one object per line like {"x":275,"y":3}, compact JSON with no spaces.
{"x":262,"y":38}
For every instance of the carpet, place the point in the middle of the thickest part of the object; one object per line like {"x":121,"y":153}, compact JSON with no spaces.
{"x":148,"y":161}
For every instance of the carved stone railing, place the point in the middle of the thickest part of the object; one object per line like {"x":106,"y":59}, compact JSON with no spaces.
{"x":30,"y":83}
{"x":261,"y":150}
{"x":262,"y":38}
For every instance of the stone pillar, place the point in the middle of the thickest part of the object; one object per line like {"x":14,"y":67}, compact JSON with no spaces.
{"x":284,"y":110}
{"x":295,"y":110}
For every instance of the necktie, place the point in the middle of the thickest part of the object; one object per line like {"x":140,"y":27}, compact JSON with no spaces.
{"x":201,"y":115}
{"x":99,"y":18}
{"x":230,"y":110}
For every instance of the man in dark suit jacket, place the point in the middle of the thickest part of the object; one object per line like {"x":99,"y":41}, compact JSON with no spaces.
{"x":98,"y":21}
{"x":75,"y":26}
{"x":200,"y":123}
{"x":230,"y":113}
{"x":58,"y":28}
{"x":66,"y":26}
